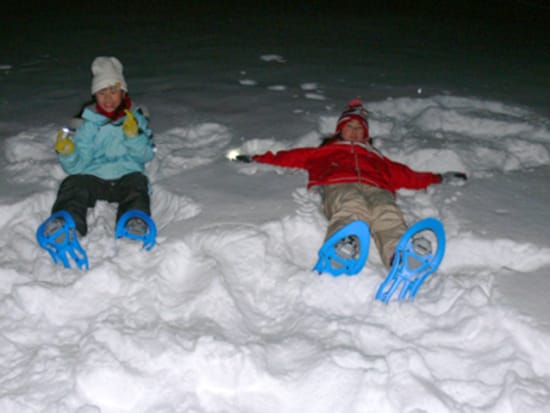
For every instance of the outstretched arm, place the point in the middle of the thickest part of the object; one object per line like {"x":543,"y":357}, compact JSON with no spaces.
{"x":293,"y":158}
{"x":404,"y":177}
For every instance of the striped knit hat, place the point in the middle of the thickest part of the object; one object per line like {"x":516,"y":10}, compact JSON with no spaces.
{"x":355,"y":110}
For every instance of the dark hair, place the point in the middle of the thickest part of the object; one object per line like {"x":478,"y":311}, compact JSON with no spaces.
{"x":90,"y":102}
{"x":330,"y":139}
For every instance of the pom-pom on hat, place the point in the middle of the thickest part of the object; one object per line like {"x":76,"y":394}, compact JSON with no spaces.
{"x":355,"y":110}
{"x":107,"y":71}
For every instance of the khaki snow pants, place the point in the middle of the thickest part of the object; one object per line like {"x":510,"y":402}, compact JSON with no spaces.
{"x":344,"y":203}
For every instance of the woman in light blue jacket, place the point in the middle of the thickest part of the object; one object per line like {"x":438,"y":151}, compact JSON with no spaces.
{"x":105,"y":160}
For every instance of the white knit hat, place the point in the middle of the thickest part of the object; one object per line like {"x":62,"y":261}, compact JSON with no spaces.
{"x":107,"y":71}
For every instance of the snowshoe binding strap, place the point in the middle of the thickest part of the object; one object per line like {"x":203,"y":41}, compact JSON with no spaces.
{"x":148,"y":236}
{"x":57,"y":235}
{"x":410,"y":266}
{"x":333,"y":263}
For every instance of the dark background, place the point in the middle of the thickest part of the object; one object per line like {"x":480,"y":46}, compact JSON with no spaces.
{"x":494,"y":49}
{"x":527,"y":11}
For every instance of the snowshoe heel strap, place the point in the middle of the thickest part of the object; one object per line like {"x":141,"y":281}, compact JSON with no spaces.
{"x":329,"y":261}
{"x":148,"y":238}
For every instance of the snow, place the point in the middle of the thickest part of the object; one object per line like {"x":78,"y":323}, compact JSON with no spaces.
{"x":224,"y":314}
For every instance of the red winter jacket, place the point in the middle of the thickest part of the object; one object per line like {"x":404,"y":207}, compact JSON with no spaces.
{"x":348,"y":162}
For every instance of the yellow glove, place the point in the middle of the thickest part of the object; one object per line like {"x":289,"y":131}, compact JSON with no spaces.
{"x":130,"y":126}
{"x":64,"y":144}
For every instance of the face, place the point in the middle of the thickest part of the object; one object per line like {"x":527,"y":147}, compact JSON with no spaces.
{"x":353,"y":131}
{"x":109,"y":98}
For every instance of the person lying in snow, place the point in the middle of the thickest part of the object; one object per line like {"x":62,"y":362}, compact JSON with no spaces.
{"x":106,"y":157}
{"x":357,"y":182}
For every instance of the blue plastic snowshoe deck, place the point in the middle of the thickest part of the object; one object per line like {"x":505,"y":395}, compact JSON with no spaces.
{"x":330,"y":262}
{"x":63,"y":243}
{"x":410,"y":279}
{"x":148,"y":239}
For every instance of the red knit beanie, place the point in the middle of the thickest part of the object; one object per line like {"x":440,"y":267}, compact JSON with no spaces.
{"x":355,"y":110}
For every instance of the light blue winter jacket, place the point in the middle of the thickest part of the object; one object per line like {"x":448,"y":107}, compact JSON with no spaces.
{"x":102,"y":149}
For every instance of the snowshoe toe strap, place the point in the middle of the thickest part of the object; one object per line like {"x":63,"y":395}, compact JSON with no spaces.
{"x":410,"y":268}
{"x":62,"y":242}
{"x":329,"y":260}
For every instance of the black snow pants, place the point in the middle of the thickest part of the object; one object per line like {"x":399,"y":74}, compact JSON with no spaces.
{"x":79,"y":192}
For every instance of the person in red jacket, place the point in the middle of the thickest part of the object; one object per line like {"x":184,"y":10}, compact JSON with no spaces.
{"x":357,"y":182}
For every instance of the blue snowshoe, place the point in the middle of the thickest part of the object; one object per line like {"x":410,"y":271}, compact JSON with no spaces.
{"x":414,"y":260}
{"x":346,"y":251}
{"x":57,"y":235}
{"x":137,"y":225}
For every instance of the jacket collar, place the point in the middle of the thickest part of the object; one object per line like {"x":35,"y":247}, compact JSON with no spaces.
{"x":365,"y":145}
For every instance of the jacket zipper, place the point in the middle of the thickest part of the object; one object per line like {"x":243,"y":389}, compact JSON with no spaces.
{"x":356,"y":162}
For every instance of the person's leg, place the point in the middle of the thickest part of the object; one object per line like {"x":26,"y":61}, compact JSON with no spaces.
{"x":131,"y":192}
{"x":343,"y":203}
{"x":76,"y":194}
{"x":385,"y":220}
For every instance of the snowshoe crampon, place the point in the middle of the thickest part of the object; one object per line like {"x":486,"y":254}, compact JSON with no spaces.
{"x":57,"y":235}
{"x":146,"y":233}
{"x":414,"y":260}
{"x":331,"y":256}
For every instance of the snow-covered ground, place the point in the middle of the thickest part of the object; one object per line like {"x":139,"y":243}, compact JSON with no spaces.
{"x":225,"y":313}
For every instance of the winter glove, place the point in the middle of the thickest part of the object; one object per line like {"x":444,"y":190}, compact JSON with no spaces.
{"x":130,"y":126}
{"x":244,"y":158}
{"x":64,"y":144}
{"x":452,"y":177}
